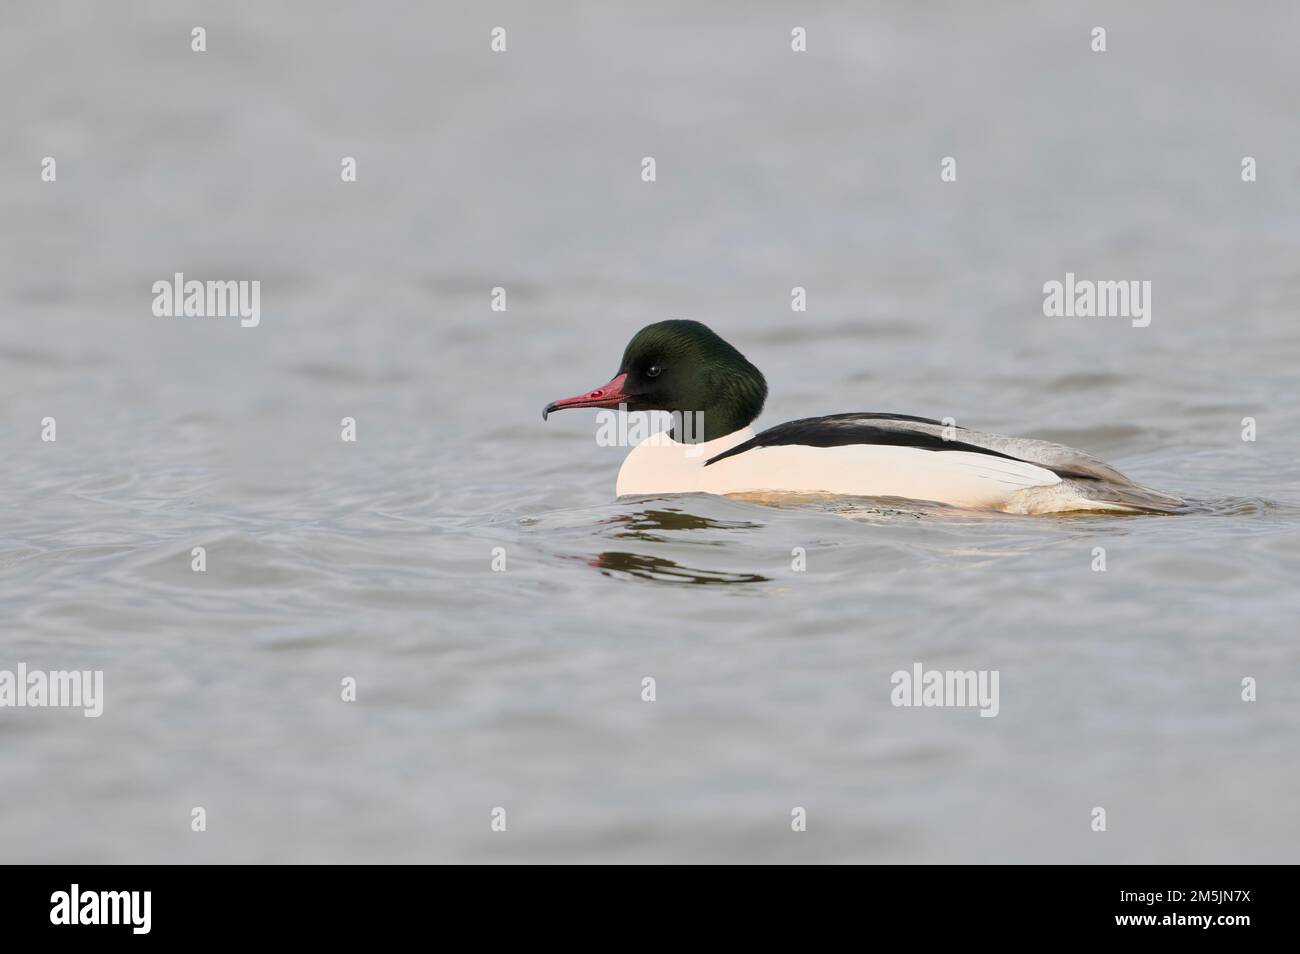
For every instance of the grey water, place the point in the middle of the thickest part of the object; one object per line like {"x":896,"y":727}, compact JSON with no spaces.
{"x":521,"y":688}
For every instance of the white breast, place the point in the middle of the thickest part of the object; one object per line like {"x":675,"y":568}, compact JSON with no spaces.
{"x":960,"y":478}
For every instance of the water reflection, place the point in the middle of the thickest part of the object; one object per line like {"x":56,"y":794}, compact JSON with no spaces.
{"x":644,"y":567}
{"x":658,"y":526}
{"x":641,"y":524}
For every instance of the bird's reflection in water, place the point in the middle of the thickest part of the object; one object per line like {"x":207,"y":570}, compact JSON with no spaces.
{"x":652,"y":526}
{"x":642,"y":524}
{"x":645,"y":567}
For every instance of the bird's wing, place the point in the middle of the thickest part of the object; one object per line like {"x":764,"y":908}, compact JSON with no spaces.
{"x":928,"y":434}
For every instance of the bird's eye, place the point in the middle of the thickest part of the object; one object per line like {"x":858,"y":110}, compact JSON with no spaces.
{"x":653,"y":371}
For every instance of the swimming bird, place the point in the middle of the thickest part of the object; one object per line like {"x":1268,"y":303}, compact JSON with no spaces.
{"x":715,"y":394}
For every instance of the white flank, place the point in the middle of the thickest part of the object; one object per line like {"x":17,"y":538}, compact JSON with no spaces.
{"x":959,"y":478}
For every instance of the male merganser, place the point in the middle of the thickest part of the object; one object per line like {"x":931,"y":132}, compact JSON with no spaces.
{"x":684,"y":368}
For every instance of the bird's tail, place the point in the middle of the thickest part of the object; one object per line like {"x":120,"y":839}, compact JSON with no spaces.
{"x":1125,"y":497}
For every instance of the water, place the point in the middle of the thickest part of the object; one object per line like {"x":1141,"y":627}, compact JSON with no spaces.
{"x":522,"y":688}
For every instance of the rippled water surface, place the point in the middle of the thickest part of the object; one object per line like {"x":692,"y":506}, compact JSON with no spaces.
{"x":522,"y":688}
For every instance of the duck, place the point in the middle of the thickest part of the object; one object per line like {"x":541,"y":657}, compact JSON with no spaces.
{"x":714,"y":395}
